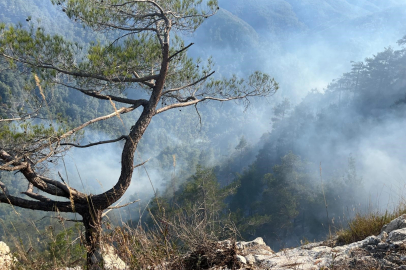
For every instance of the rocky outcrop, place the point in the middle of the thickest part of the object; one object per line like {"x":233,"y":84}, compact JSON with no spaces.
{"x":384,"y":251}
{"x":6,"y":259}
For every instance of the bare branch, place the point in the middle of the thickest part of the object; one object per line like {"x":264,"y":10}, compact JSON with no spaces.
{"x":36,"y":205}
{"x":15,"y":161}
{"x":138,"y":165}
{"x":189,"y":85}
{"x":14,"y":168}
{"x":15,"y":119}
{"x":34,"y":178}
{"x":151,"y":85}
{"x":96,"y":94}
{"x":182,"y":50}
{"x":30,"y":193}
{"x":97,"y":143}
{"x":118,"y":207}
{"x":193,"y":102}
{"x":141,"y":1}
{"x":117,"y":112}
{"x":62,"y":186}
{"x":121,"y":206}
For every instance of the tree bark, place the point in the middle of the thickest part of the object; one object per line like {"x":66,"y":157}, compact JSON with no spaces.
{"x":93,"y":227}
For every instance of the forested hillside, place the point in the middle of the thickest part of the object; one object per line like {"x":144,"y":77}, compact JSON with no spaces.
{"x":315,"y":168}
{"x":289,"y":168}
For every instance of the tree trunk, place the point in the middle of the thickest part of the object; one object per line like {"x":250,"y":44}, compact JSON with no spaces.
{"x":93,"y":228}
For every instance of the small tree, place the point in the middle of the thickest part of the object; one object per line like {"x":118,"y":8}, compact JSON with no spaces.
{"x":142,"y":57}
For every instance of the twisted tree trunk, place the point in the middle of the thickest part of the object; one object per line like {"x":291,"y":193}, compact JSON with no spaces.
{"x":92,"y":221}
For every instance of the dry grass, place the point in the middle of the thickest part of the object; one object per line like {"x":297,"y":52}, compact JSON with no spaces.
{"x":364,"y":225}
{"x":186,"y":241}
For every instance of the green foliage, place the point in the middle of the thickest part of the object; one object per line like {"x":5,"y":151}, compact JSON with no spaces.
{"x":200,"y":196}
{"x":266,"y":204}
{"x":66,"y":244}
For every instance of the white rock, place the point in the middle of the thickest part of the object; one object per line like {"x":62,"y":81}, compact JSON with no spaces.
{"x":111,"y":259}
{"x":242,"y":259}
{"x":397,"y":223}
{"x":397,"y":235}
{"x":6,"y":259}
{"x":250,"y":259}
{"x":254,"y":243}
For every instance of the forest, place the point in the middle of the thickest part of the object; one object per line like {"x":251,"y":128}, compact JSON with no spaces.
{"x":318,"y":141}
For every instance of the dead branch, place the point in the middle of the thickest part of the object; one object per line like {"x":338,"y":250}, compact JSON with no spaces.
{"x":118,"y":207}
{"x":138,"y":165}
{"x":182,"y":50}
{"x":96,"y":94}
{"x":96,"y":143}
{"x":189,"y":85}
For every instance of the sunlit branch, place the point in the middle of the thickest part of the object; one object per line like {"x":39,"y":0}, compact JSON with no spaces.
{"x":195,"y":101}
{"x":117,"y":112}
{"x":14,"y":168}
{"x":96,"y":143}
{"x":4,"y":156}
{"x":121,"y":206}
{"x":18,"y":118}
{"x":184,"y":49}
{"x":189,"y":85}
{"x":138,"y":165}
{"x":118,"y":207}
{"x":62,"y":186}
{"x":24,"y":117}
{"x":12,"y":163}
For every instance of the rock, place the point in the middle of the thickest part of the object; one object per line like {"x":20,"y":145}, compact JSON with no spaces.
{"x":397,"y":235}
{"x":6,"y":259}
{"x":396,"y":224}
{"x":257,"y":242}
{"x":383,"y":245}
{"x":111,"y":259}
{"x":241,"y":259}
{"x":383,"y":236}
{"x":385,"y":251}
{"x":371,"y":240}
{"x":250,"y":259}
